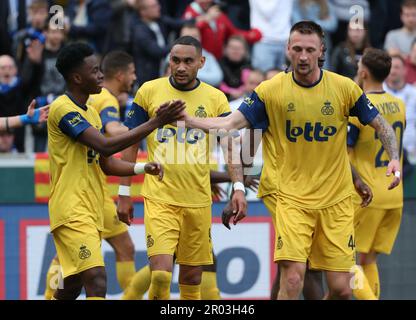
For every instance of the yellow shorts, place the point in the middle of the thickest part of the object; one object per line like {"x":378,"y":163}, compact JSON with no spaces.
{"x":376,"y":229}
{"x":185,"y":232}
{"x":112,"y":225}
{"x":78,"y":245}
{"x":269,"y":201}
{"x":324,"y":237}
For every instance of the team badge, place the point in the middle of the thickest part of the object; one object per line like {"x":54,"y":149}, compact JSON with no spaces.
{"x":84,"y":253}
{"x":201,"y":113}
{"x":327,"y":109}
{"x":150,"y":242}
{"x":291,"y":107}
{"x":279,"y":243}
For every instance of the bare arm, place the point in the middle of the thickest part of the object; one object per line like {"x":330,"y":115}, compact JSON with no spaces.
{"x":387,"y":136}
{"x":235,"y":120}
{"x":92,"y":138}
{"x":235,"y":171}
{"x":33,"y":116}
{"x":388,"y":139}
{"x":115,"y":167}
{"x":125,"y":210}
{"x":167,"y":113}
{"x":115,"y":128}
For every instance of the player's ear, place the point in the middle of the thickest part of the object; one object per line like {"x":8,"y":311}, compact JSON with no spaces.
{"x":76,"y":78}
{"x":202,"y":62}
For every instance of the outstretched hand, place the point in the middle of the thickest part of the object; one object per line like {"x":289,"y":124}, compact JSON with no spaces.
{"x":170,"y":111}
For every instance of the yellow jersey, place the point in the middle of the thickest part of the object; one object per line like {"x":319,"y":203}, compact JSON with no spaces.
{"x":184,"y":153}
{"x":309,"y":129}
{"x":368,"y":155}
{"x":268,"y":183}
{"x":106,"y":105}
{"x":77,"y":193}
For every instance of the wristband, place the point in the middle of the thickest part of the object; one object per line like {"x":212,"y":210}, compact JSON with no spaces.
{"x":25,"y":119}
{"x":239,"y":186}
{"x":124,"y":191}
{"x":139,"y":167}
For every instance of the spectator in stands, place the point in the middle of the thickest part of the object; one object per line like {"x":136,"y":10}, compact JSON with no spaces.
{"x":174,"y":8}
{"x":346,"y":55}
{"x":89,"y":20}
{"x":253,"y":79}
{"x":6,"y":143}
{"x":323,"y":13}
{"x":38,"y":16}
{"x":216,"y":27}
{"x":396,"y":85}
{"x":399,"y":41}
{"x":272,"y":18}
{"x":347,"y":12}
{"x":150,"y":38}
{"x":120,"y":31}
{"x":211,"y":73}
{"x":238,"y":11}
{"x":51,"y":83}
{"x":385,"y":17}
{"x":411,"y":65}
{"x":15,"y":91}
{"x":234,"y":65}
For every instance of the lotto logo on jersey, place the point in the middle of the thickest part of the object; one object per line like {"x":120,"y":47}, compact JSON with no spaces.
{"x":311,"y":132}
{"x":182,"y":135}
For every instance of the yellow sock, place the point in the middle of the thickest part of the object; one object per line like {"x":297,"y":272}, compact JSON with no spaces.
{"x":125,"y":271}
{"x":95,"y":298}
{"x":139,"y":284}
{"x":52,"y":278}
{"x":371,"y":272}
{"x":53,"y":298}
{"x":160,"y":285}
{"x":363,"y":290}
{"x":209,"y":288}
{"x":190,"y":292}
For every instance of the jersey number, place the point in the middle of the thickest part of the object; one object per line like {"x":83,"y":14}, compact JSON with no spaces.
{"x":384,"y":163}
{"x":351,"y":243}
{"x":91,"y":156}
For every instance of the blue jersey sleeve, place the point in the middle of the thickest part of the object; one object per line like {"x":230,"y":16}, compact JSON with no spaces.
{"x":352,"y":136}
{"x":364,"y":110}
{"x":73,"y":124}
{"x":254,"y":111}
{"x":109,"y":114}
{"x":136,"y":116}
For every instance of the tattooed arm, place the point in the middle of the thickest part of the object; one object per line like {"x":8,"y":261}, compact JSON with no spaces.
{"x":229,"y":146}
{"x":388,"y":139}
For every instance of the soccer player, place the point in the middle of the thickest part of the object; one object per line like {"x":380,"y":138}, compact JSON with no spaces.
{"x":177,"y":212}
{"x":307,"y":111}
{"x":119,"y":75}
{"x":78,"y":155}
{"x":376,"y":226}
{"x":33,"y":116}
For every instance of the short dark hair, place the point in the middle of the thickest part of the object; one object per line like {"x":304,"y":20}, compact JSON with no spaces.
{"x":114,"y":62}
{"x":71,"y":57}
{"x":308,"y":27}
{"x":37,"y":4}
{"x":408,"y":4}
{"x":378,"y":62}
{"x":189,"y":41}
